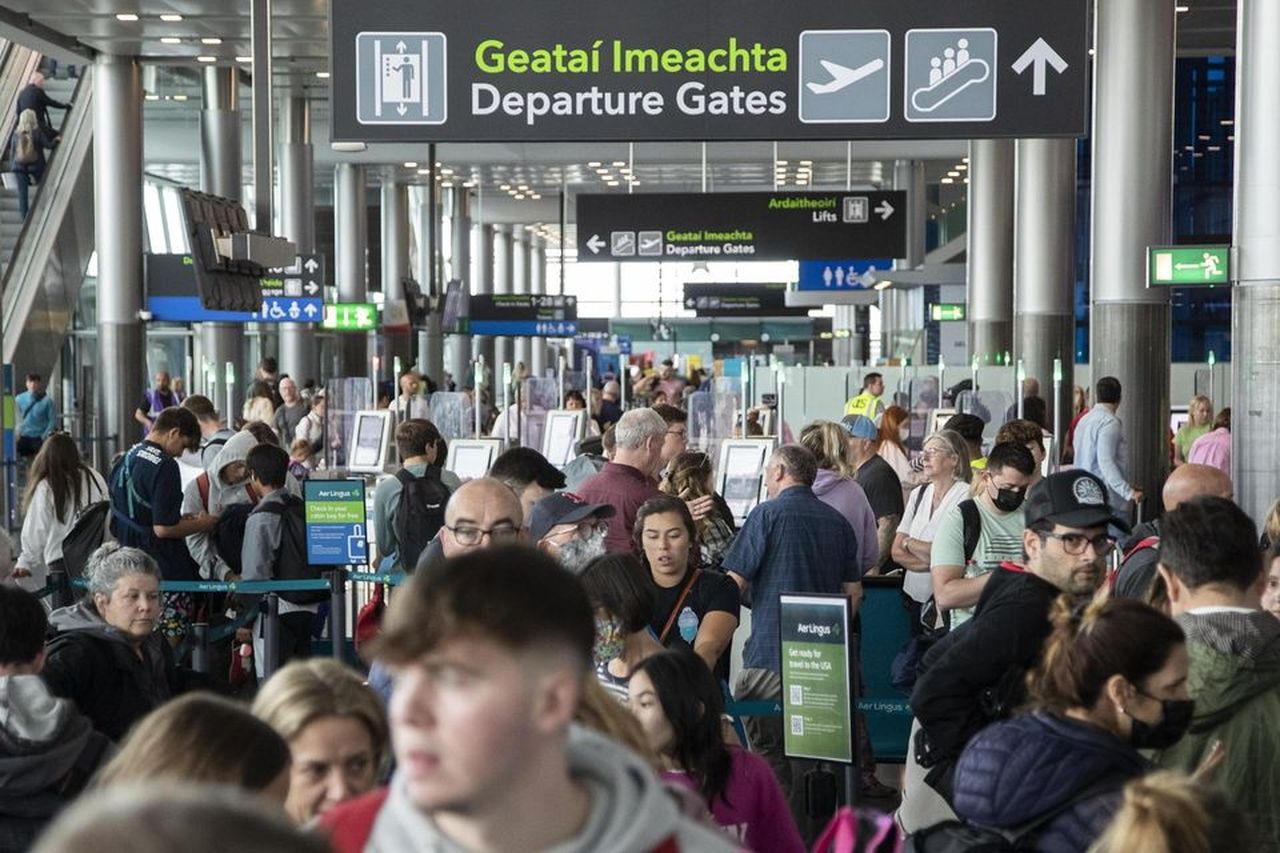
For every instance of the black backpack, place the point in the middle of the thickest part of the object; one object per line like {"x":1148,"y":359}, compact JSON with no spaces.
{"x":87,"y":532}
{"x":291,"y":560}
{"x":420,"y":514}
{"x":228,"y":536}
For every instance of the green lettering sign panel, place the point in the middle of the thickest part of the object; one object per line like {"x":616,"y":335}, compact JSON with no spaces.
{"x":817,"y":707}
{"x":1188,"y":266}
{"x":351,"y":317}
{"x":946,"y":312}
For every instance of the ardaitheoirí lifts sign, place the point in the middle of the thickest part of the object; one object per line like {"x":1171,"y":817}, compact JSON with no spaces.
{"x":495,"y":70}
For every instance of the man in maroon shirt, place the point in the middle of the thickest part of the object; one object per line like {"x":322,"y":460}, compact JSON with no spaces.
{"x":628,"y":481}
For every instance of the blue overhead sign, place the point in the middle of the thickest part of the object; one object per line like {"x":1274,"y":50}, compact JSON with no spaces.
{"x":293,"y":294}
{"x":290,"y":309}
{"x":848,"y":274}
{"x":526,"y":328}
{"x":336,"y":523}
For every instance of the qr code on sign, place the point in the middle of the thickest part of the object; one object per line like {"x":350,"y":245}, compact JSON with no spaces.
{"x":797,"y":725}
{"x":797,"y":694}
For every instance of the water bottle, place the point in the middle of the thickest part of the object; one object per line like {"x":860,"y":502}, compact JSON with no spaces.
{"x":687,"y":622}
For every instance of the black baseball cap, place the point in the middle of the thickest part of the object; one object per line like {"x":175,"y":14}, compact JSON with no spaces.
{"x":562,"y":508}
{"x":969,"y":426}
{"x":1072,"y":499}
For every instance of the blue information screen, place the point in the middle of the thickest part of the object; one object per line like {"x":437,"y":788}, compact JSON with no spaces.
{"x":336,"y":523}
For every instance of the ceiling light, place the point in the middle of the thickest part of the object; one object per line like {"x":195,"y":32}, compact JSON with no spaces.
{"x":424,"y":171}
{"x":1182,"y":8}
{"x":519,"y":196}
{"x":611,"y":183}
{"x":171,"y":40}
{"x":505,"y":187}
{"x":1231,"y":139}
{"x":206,"y":59}
{"x":964,"y":159}
{"x":781,"y":163}
{"x":883,"y":285}
{"x":448,"y":184}
{"x":410,"y":164}
{"x":179,"y":97}
{"x":602,"y":171}
{"x":523,"y":188}
{"x":244,"y":59}
{"x":619,"y":162}
{"x":594,"y":164}
{"x":468,"y":184}
{"x":535,"y":196}
{"x":170,"y":17}
{"x":445,"y":170}
{"x":323,"y":75}
{"x":962,"y":166}
{"x":152,"y":97}
{"x":806,"y":162}
{"x":953,"y":174}
{"x":211,"y":40}
{"x":1227,"y":122}
{"x":1203,"y":137}
{"x":948,"y":181}
{"x":127,"y":16}
{"x":1214,"y":148}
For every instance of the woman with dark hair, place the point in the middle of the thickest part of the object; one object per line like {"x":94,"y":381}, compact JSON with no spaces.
{"x":694,"y":608}
{"x":689,"y":477}
{"x":623,"y":602}
{"x":1112,"y":681}
{"x":679,"y":707}
{"x":59,"y":486}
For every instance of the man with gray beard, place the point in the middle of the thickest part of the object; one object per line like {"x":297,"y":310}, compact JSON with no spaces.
{"x":569,"y":529}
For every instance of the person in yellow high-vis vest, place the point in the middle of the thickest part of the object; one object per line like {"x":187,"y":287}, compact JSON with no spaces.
{"x":868,"y":401}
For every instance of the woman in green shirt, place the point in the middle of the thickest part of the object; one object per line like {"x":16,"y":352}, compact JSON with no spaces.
{"x":1200,"y":422}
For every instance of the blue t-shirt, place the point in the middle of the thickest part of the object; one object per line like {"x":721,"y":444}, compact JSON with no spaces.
{"x":146,"y":489}
{"x":793,"y":543}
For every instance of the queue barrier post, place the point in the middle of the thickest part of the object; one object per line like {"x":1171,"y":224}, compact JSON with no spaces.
{"x":200,"y":661}
{"x":59,"y":585}
{"x":337,"y":611}
{"x":271,"y":635}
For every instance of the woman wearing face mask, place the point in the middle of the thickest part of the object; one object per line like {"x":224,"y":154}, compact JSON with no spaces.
{"x":693,"y":608}
{"x":1112,"y":681}
{"x":895,"y":429}
{"x":616,"y":585}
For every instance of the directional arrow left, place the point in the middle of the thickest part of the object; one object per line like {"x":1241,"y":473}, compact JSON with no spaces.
{"x":1038,"y":56}
{"x":595,"y":244}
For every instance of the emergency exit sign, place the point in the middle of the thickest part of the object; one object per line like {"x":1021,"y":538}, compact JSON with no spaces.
{"x":1188,"y":266}
{"x":946,"y":312}
{"x":351,"y":317}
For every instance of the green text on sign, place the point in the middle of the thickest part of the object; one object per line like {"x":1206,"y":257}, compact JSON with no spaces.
{"x":351,"y":317}
{"x":1186,"y":266}
{"x":946,"y":312}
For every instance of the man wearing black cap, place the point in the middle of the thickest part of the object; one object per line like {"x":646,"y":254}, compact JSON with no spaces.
{"x":975,"y":674}
{"x":569,"y":529}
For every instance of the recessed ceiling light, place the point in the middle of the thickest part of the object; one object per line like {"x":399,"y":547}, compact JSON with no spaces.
{"x":1214,"y":148}
{"x":523,"y":188}
{"x":505,"y":187}
{"x":1203,"y":137}
{"x":953,"y":174}
{"x":171,"y":40}
{"x":619,"y":162}
{"x":410,"y":164}
{"x":593,"y":164}
{"x":127,"y":16}
{"x":206,"y":59}
{"x":446,"y":183}
{"x":535,"y":196}
{"x":781,"y":163}
{"x":445,"y":170}
{"x":962,"y":166}
{"x":424,"y":171}
{"x":1182,"y":8}
{"x":948,"y":181}
{"x":1227,"y":122}
{"x":179,"y":97}
{"x":152,"y":97}
{"x":244,"y":59}
{"x":806,"y":162}
{"x":323,"y":75}
{"x":518,"y":196}
{"x":170,"y":18}
{"x":211,"y":40}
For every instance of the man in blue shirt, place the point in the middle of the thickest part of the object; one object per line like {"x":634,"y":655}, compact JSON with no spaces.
{"x":792,"y":542}
{"x":37,"y":414}
{"x":1100,"y":446}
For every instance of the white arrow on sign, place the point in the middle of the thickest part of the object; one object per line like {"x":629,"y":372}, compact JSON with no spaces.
{"x":1038,"y":56}
{"x":595,"y":244}
{"x":311,"y":265}
{"x":310,"y":309}
{"x":885,"y":210}
{"x":311,"y":287}
{"x":401,"y":47}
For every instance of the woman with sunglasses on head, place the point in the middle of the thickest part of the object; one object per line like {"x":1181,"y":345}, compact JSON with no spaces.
{"x":1112,"y":680}
{"x":59,"y":486}
{"x":679,"y":707}
{"x":689,"y":477}
{"x":694,"y":608}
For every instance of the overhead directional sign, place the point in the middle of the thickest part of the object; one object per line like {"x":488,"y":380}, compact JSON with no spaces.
{"x":740,"y":226}
{"x":492,"y":70}
{"x":286,"y":297}
{"x":1188,"y":266}
{"x":304,"y":277}
{"x":290,"y":309}
{"x":351,"y":317}
{"x":853,"y":274}
{"x":734,"y":299}
{"x":524,"y":315}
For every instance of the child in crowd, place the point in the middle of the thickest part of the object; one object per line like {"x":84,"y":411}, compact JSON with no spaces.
{"x":300,"y":458}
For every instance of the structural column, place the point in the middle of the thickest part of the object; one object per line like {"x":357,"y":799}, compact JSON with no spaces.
{"x":990,"y":248}
{"x":897,"y":324}
{"x":501,"y":253}
{"x":538,"y":284}
{"x":117,"y":180}
{"x":1044,"y":265}
{"x":458,"y":351}
{"x":426,"y":217}
{"x":520,"y":283}
{"x":482,"y":283}
{"x":1255,"y":358}
{"x":1132,"y":169}
{"x":221,"y":172}
{"x":350,"y":273}
{"x":395,"y":269}
{"x":299,"y":351}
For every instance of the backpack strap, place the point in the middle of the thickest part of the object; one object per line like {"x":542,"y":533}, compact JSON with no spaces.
{"x":915,"y":508}
{"x":1101,"y":786}
{"x":1149,"y":542}
{"x":972,"y":527}
{"x":202,"y":486}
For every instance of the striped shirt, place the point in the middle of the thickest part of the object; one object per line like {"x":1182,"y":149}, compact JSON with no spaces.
{"x":1000,"y":541}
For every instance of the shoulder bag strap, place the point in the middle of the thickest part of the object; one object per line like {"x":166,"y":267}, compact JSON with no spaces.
{"x":684,"y":594}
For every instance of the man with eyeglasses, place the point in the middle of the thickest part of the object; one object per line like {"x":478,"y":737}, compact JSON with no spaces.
{"x":569,"y":529}
{"x":481,"y":513}
{"x":977,"y":535}
{"x":676,"y":440}
{"x":976,"y":674}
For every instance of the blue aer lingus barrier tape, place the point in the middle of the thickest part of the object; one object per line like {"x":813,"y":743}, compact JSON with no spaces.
{"x":392,"y":578}
{"x":251,"y":587}
{"x":756,"y":708}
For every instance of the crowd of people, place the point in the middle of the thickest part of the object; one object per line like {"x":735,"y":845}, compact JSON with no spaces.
{"x":557,"y":670}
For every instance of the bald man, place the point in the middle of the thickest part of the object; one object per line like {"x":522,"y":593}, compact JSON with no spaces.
{"x":1138,"y":569}
{"x":482,"y":513}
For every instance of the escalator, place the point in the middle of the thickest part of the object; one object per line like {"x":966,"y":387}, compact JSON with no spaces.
{"x":48,"y":254}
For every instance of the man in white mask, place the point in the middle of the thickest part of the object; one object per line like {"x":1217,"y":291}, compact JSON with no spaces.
{"x":569,"y":529}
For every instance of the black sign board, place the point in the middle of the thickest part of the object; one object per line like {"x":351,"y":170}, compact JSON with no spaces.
{"x":523,"y":306}
{"x":734,"y":299}
{"x":741,"y":226}
{"x":493,"y":70}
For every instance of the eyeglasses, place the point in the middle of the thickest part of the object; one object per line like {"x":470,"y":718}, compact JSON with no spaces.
{"x":584,"y":530}
{"x":1074,"y":543}
{"x":934,"y":453}
{"x":468,"y":536}
{"x":680,"y":432}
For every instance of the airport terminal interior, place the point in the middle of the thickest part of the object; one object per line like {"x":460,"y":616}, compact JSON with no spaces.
{"x":308,"y":306}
